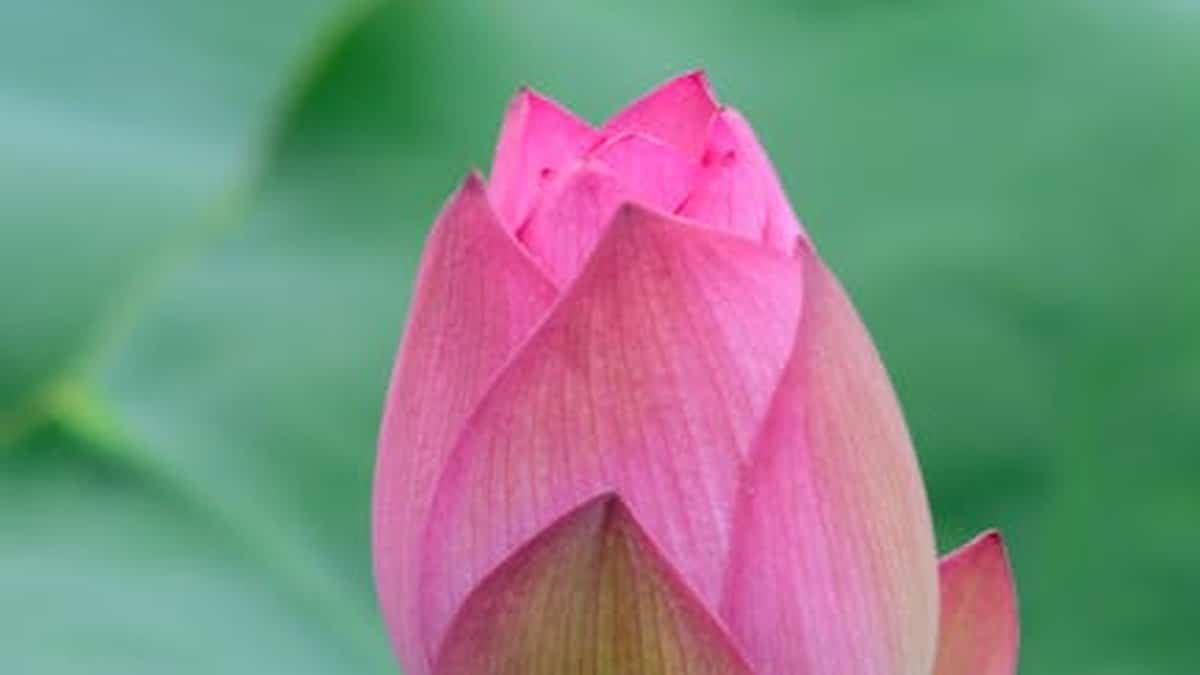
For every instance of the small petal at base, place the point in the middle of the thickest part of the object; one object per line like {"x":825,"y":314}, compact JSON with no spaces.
{"x":979,"y":631}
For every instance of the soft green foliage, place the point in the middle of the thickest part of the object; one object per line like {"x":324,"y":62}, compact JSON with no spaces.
{"x":210,"y":215}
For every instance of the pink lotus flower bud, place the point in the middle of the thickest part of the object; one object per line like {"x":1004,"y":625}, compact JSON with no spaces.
{"x":636,"y":427}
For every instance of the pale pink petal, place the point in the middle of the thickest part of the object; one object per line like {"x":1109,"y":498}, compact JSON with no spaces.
{"x":590,"y":594}
{"x":737,"y":189}
{"x":477,"y":295}
{"x":979,"y":632}
{"x":833,"y":568}
{"x":677,"y":112}
{"x":538,"y":139}
{"x":575,"y":209}
{"x":649,"y":378}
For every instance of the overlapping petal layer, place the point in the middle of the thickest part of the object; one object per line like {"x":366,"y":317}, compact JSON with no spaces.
{"x":737,"y":189}
{"x":543,"y":147}
{"x":657,"y":174}
{"x":979,"y":632}
{"x":477,"y":295}
{"x":662,"y":421}
{"x":833,"y":569}
{"x":649,"y":378}
{"x":577,"y":206}
{"x":590,"y":595}
{"x":537,"y":138}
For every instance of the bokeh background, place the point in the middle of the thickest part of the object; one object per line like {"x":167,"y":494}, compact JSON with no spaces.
{"x":210,"y":215}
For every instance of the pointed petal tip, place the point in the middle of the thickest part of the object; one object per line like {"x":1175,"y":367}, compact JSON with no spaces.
{"x":696,"y":78}
{"x":531,"y":97}
{"x":677,"y":111}
{"x":988,"y":542}
{"x":609,"y":503}
{"x":473,"y":182}
{"x":699,"y":76}
{"x":524,"y":93}
{"x":631,"y":212}
{"x":632,"y":215}
{"x":629,"y":217}
{"x":992,"y":537}
{"x":607,"y":511}
{"x":518,"y":103}
{"x":523,"y":100}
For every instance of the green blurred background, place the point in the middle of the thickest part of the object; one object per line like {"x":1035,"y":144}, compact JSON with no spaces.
{"x":210,"y":214}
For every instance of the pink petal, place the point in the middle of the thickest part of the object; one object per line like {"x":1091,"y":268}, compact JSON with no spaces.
{"x":737,"y":189}
{"x":979,"y":633}
{"x":833,"y":545}
{"x":656,"y":174}
{"x":477,"y":295}
{"x":538,"y":139}
{"x":562,"y":232}
{"x":590,"y":594}
{"x":677,"y":112}
{"x":649,"y":378}
{"x":576,"y":208}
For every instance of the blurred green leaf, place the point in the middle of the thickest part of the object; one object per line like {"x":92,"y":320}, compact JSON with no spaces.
{"x":125,"y":168}
{"x":105,"y":572}
{"x":1007,"y":189}
{"x":128,"y":131}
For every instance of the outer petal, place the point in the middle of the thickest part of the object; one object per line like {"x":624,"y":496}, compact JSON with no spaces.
{"x":677,"y":112}
{"x":590,"y":595}
{"x":576,"y":208}
{"x":649,"y":378}
{"x":979,"y":633}
{"x":738,"y":190}
{"x":476,"y":297}
{"x":538,"y":139}
{"x":833,"y":570}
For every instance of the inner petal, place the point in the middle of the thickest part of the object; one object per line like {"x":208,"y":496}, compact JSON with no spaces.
{"x":537,"y":138}
{"x":678,"y":112}
{"x":577,"y":206}
{"x":737,"y":190}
